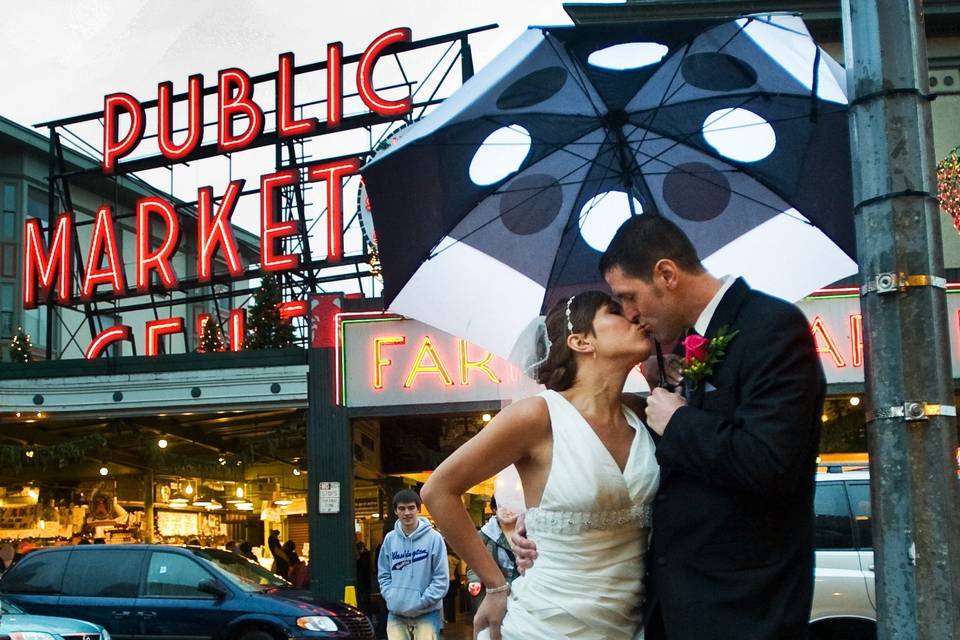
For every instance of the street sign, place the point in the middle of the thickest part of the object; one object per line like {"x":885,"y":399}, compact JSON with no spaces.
{"x":329,"y":497}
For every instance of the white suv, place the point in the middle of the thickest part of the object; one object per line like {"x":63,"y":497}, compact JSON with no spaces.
{"x":844,"y":604}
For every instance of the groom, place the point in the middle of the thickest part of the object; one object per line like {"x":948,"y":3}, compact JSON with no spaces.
{"x":732,"y":553}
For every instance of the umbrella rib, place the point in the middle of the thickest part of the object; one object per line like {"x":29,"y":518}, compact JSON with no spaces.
{"x":574,"y":72}
{"x":555,"y":272}
{"x":731,"y":190}
{"x":557,"y":147}
{"x":536,"y":191}
{"x":683,"y":83}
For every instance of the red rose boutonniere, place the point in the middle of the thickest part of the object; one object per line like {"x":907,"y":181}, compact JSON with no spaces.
{"x":702,"y":355}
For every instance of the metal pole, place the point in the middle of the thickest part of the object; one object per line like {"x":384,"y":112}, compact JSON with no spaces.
{"x":329,"y":460}
{"x":911,"y":431}
{"x":148,"y":510}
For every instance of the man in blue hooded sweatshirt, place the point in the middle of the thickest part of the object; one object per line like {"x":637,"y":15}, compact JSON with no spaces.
{"x":412,"y":570}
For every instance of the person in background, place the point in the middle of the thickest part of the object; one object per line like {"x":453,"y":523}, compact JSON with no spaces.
{"x":193,"y":542}
{"x":246,"y":550}
{"x":298,"y":574}
{"x":281,"y":563}
{"x":232,"y":546}
{"x":450,"y":600}
{"x":364,"y":576}
{"x":412,"y":571}
{"x":496,"y":538}
{"x":6,"y":557}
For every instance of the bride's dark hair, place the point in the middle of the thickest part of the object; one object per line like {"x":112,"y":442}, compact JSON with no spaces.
{"x":559,"y":370}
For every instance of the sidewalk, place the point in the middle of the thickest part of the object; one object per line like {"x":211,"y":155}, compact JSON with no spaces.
{"x":462,"y":629}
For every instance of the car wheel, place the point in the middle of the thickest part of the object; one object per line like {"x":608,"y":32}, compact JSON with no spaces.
{"x":256,"y":634}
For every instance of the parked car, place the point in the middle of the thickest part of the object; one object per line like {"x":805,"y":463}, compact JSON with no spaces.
{"x":155,"y":592}
{"x":844,"y":604}
{"x":17,"y":625}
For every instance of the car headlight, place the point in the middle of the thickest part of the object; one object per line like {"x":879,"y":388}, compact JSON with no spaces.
{"x":30,"y":635}
{"x":310,"y":623}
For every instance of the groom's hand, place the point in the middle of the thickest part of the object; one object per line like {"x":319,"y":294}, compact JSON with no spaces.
{"x":661,"y":405}
{"x":524,"y":548}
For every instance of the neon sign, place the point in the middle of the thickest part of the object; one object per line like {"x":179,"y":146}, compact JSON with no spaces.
{"x":49,"y":255}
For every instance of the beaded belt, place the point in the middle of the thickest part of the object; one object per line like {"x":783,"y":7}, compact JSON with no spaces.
{"x":574,"y":522}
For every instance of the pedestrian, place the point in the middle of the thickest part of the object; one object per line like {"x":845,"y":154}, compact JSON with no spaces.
{"x":495,"y":534}
{"x":364,"y":576}
{"x":7,"y":554}
{"x":450,"y":600}
{"x":246,"y":550}
{"x":281,"y":563}
{"x":298,"y":574}
{"x":412,"y":571}
{"x":232,"y":546}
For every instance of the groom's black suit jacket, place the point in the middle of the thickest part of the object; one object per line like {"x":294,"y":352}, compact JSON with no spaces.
{"x":732,"y":553}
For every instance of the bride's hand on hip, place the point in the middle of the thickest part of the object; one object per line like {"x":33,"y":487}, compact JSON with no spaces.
{"x":524,"y":548}
{"x":490,"y":615}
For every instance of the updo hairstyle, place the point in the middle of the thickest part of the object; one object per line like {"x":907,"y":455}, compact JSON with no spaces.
{"x":559,"y":370}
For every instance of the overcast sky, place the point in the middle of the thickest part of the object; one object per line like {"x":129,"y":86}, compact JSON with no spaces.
{"x":60,"y":57}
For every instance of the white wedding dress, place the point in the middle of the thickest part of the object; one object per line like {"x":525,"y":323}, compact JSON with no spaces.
{"x":591,"y":530}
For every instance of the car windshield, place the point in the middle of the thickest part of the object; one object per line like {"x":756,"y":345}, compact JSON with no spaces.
{"x":9,"y":607}
{"x":246,"y":574}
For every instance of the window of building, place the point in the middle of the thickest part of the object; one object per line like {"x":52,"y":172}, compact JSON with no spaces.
{"x":37,"y":205}
{"x":6,"y":309}
{"x":35,"y":324}
{"x":8,"y":260}
{"x":8,"y":212}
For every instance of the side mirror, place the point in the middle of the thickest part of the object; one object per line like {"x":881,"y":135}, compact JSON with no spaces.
{"x":214,"y":588}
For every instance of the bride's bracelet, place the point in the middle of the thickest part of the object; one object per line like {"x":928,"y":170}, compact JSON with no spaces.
{"x":504,"y":587}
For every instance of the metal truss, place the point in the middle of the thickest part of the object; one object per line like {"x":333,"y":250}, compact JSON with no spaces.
{"x":314,"y":275}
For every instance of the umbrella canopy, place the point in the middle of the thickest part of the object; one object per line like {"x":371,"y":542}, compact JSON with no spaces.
{"x":502,"y":200}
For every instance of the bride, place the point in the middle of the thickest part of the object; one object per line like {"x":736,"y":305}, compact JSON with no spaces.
{"x":588,"y":471}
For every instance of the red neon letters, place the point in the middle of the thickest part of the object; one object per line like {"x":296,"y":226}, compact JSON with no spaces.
{"x":287,"y":126}
{"x":47,"y":268}
{"x":235,"y":101}
{"x":369,"y":58}
{"x":218,"y":232}
{"x":334,"y":84}
{"x":194,"y":119}
{"x":103,"y":244}
{"x":333,"y":173}
{"x":235,"y":97}
{"x":270,"y":230}
{"x":158,"y":260}
{"x":158,"y":328}
{"x":105,"y":338}
{"x":114,"y":147}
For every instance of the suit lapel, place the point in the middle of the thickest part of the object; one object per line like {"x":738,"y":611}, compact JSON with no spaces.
{"x":723,"y":316}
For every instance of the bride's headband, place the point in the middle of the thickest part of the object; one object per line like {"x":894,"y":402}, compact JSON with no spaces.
{"x":569,"y":321}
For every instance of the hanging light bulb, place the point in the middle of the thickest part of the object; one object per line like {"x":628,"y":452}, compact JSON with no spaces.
{"x":162,"y":443}
{"x":29,"y":452}
{"x":296,"y":471}
{"x":188,"y":489}
{"x":104,"y":471}
{"x":222,"y":460}
{"x":239,"y":492}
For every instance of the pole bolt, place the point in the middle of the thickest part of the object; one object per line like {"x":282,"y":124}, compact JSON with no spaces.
{"x":913,"y":410}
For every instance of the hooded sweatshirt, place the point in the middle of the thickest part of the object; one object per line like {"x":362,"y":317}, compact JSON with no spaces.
{"x":412,"y":570}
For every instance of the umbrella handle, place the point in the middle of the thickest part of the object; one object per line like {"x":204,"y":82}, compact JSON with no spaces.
{"x":662,"y":369}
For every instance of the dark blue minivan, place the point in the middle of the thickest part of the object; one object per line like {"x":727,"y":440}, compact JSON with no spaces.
{"x":155,"y":592}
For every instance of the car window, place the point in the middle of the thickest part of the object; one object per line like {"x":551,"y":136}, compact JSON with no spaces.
{"x":248,"y":575}
{"x":9,"y":607}
{"x":36,"y":573}
{"x":833,"y":529}
{"x":860,"y":506}
{"x":173,"y":575}
{"x":108,"y":573}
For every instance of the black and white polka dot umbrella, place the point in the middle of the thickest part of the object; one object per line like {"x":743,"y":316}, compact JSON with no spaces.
{"x":502,"y":200}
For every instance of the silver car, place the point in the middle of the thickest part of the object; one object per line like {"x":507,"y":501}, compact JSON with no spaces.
{"x":844,"y":604}
{"x":18,"y":625}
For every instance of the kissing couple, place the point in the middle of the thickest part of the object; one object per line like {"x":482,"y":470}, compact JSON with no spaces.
{"x":676,"y":516}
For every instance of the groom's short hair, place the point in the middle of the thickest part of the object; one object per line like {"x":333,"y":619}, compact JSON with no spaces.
{"x":642,"y":241}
